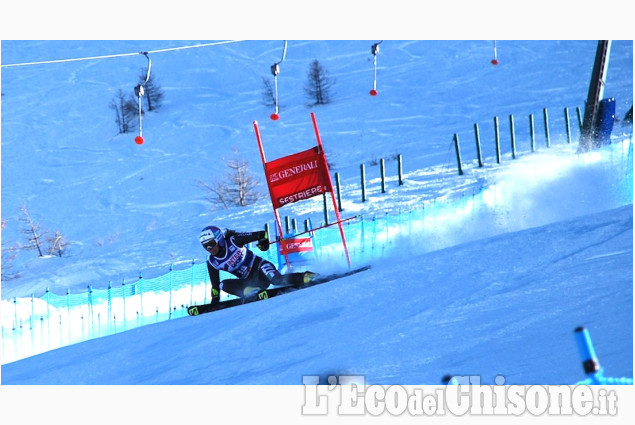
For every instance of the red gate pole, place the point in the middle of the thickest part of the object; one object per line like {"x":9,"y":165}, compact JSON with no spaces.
{"x":337,"y":211}
{"x":275,"y":211}
{"x":262,"y":152}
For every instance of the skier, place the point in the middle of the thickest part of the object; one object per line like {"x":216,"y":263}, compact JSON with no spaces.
{"x":228,"y":252}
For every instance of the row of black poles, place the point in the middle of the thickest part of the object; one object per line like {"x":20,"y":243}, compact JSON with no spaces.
{"x":338,"y":188}
{"x":291,"y":224}
{"x":382,"y":173}
{"x":532,"y":136}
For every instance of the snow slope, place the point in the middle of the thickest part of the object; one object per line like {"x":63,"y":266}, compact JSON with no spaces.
{"x":491,"y":307}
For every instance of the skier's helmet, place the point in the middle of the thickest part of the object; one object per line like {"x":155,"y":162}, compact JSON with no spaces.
{"x":212,"y":235}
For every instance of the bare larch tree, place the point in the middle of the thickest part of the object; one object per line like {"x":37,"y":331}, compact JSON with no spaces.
{"x":319,"y":84}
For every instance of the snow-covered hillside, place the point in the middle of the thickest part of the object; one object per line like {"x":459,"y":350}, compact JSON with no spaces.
{"x":127,"y":208}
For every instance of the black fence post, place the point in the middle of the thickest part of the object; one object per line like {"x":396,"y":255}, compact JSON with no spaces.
{"x":400,"y":169}
{"x":546,"y":115}
{"x":382,"y":172}
{"x":326,"y":211}
{"x":478,"y":145}
{"x":532,"y":132}
{"x":287,"y":223}
{"x":458,"y":153}
{"x":513,"y":135}
{"x":566,"y":122}
{"x":498,"y":141}
{"x":339,"y":191}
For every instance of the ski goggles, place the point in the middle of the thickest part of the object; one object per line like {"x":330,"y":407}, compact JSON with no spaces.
{"x":209,"y":237}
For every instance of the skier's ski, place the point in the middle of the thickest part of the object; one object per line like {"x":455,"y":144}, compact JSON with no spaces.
{"x":268,"y":293}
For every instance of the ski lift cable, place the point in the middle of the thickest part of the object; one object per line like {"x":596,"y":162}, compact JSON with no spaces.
{"x":170,"y":49}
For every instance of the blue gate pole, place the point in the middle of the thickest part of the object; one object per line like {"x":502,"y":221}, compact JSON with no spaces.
{"x":590,"y":362}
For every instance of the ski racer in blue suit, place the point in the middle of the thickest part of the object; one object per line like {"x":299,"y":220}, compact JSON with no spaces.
{"x":228,"y":251}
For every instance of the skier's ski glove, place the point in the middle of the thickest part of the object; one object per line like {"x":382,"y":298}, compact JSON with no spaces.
{"x":263,"y":243}
{"x":215,"y":295}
